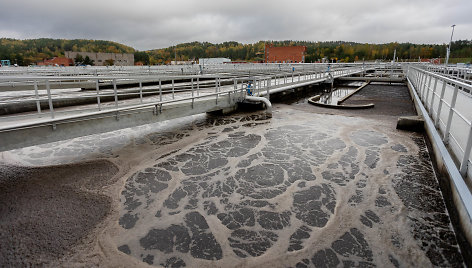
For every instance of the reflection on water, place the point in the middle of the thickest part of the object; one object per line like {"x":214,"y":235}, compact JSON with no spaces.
{"x":332,"y":97}
{"x":298,"y":190}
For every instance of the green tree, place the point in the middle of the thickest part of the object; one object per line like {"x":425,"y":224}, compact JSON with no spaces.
{"x":141,"y":56}
{"x":88,"y":61}
{"x":79,"y":59}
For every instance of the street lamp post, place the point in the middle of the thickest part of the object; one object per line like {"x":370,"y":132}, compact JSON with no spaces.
{"x":448,"y":52}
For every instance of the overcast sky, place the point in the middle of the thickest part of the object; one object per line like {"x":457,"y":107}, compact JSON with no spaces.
{"x":149,"y":24}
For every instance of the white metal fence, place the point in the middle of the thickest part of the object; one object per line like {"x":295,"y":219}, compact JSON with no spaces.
{"x":191,"y":90}
{"x":449,"y":104}
{"x":462,"y":74}
{"x":190,"y":69}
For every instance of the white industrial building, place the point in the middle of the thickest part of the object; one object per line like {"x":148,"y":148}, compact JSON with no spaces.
{"x":99,"y":59}
{"x":209,"y":61}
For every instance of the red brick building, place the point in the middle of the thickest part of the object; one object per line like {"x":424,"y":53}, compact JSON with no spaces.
{"x":57,"y":61}
{"x":295,"y":54}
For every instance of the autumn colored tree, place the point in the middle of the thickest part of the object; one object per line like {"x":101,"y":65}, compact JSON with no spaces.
{"x":26,"y":52}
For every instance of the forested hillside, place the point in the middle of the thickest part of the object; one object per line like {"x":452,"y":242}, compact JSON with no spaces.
{"x":25,"y":52}
{"x":342,"y":51}
{"x":30,"y":51}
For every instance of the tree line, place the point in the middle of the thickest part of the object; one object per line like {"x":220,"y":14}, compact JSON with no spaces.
{"x":336,"y":50}
{"x":25,"y":52}
{"x":30,"y":51}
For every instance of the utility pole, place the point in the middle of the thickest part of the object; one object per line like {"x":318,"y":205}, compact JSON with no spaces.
{"x":448,"y":52}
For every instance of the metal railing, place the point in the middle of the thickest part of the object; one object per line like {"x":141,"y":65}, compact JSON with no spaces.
{"x":111,"y":103}
{"x":448,"y":103}
{"x":182,"y":99}
{"x":194,"y":84}
{"x":85,"y":114}
{"x":462,"y":74}
{"x":166,"y":70}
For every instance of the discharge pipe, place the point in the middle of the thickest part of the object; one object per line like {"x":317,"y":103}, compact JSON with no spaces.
{"x":263,"y":100}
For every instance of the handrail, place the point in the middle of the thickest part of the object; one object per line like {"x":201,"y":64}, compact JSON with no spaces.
{"x":113,"y":110}
{"x":464,"y":194}
{"x":432,"y":88}
{"x":436,"y":75}
{"x":262,"y":84}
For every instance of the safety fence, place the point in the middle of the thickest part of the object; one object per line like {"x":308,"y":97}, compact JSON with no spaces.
{"x":99,"y":116}
{"x":448,"y":103}
{"x":458,"y":73}
{"x":101,"y":98}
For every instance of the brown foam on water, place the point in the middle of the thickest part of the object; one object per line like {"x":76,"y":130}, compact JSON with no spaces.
{"x":297,"y":190}
{"x":46,"y":211}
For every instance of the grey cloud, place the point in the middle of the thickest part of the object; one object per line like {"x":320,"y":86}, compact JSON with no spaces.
{"x":147,"y":24}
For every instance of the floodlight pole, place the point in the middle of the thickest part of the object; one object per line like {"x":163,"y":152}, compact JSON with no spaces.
{"x":448,"y":52}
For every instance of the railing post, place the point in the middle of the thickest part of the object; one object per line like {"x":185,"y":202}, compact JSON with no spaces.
{"x":140,"y":91}
{"x":431,"y":105}
{"x":417,"y":81}
{"x":38,"y":102}
{"x":424,"y":77}
{"x":198,"y":86}
{"x":427,"y":92}
{"x":160,"y":89}
{"x":216,"y":89}
{"x":193,"y":99}
{"x":97,"y":88}
{"x":268,"y":88}
{"x":115,"y":93}
{"x":441,"y":100}
{"x":465,"y":158}
{"x":173,"y":89}
{"x":51,"y":107}
{"x":449,"y":118}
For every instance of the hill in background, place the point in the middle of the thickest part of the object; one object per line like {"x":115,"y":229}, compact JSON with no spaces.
{"x":338,"y":50}
{"x":30,"y":51}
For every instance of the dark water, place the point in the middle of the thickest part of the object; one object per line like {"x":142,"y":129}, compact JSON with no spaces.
{"x":297,"y":190}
